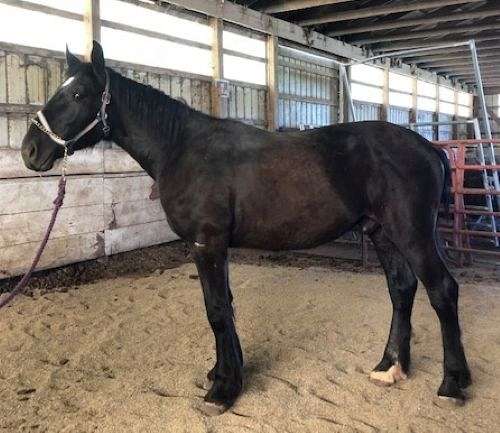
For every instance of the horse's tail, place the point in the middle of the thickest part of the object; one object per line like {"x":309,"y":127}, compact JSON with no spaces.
{"x":446,"y":195}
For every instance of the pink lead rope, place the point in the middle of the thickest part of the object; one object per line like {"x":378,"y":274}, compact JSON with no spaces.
{"x":58,"y":202}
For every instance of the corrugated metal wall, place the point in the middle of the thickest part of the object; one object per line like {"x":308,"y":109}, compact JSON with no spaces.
{"x":426,"y":131}
{"x":445,"y":132}
{"x":308,"y":91}
{"x":399,"y":115}
{"x":247,"y":103}
{"x":367,"y":111}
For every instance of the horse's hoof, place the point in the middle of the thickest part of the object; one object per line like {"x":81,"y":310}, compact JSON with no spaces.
{"x":450,"y":391}
{"x":209,"y":408}
{"x":447,"y":402}
{"x":389,"y":377}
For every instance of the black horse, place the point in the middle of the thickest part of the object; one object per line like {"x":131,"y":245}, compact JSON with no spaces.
{"x":226,"y":184}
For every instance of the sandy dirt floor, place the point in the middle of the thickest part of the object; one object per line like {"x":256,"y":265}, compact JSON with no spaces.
{"x":129,"y":354}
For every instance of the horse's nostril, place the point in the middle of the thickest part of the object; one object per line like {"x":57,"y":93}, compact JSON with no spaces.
{"x":32,"y":152}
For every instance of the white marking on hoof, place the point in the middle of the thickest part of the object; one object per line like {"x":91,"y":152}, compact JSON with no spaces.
{"x":450,"y":401}
{"x":389,"y":377}
{"x":212,"y":409}
{"x":198,"y":245}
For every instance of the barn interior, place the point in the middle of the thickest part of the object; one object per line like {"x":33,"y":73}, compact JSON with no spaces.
{"x":111,"y":334}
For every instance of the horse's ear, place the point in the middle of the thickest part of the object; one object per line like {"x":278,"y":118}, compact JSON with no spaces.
{"x":97,"y":58}
{"x":72,"y":61}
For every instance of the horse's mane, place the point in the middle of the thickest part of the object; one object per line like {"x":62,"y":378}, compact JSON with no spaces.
{"x":155,"y":108}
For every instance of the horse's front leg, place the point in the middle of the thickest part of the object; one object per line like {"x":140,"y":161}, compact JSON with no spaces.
{"x":211,"y":261}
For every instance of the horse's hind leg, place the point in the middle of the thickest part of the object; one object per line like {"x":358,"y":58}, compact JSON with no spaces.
{"x":402,"y":285}
{"x":442,"y":290}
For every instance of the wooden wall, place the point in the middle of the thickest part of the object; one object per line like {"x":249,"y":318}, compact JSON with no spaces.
{"x":107,"y":208}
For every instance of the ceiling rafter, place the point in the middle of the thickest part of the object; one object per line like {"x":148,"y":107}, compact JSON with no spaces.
{"x":444,"y":16}
{"x":427,"y":33}
{"x":295,"y":5}
{"x":381,"y":10}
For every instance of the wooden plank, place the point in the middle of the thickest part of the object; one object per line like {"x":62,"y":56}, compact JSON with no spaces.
{"x":154,"y":80}
{"x":31,"y":226}
{"x":165,"y":84}
{"x":4,"y":135}
{"x":206,"y":100}
{"x":128,"y":213}
{"x":138,"y":236}
{"x":19,"y":108}
{"x":15,"y":260}
{"x":176,"y":87}
{"x":119,"y":161}
{"x":133,"y":187}
{"x":54,"y":76}
{"x":240,"y":102}
{"x":85,"y":161}
{"x":3,"y":78}
{"x":248,"y":103}
{"x":196,"y":95}
{"x":16,"y":79}
{"x":18,"y":127}
{"x":36,"y":79}
{"x":38,"y":193}
{"x":186,"y":91}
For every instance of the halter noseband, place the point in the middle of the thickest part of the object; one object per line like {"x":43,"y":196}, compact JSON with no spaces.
{"x":101,"y":116}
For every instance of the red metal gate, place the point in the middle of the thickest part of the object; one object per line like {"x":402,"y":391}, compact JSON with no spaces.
{"x":472,"y":233}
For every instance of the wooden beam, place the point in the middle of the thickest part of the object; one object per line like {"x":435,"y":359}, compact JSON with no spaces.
{"x":450,"y":30}
{"x":294,"y":5}
{"x":367,"y":12}
{"x":91,"y":25}
{"x":394,"y":24}
{"x":255,"y":20}
{"x":272,"y":83}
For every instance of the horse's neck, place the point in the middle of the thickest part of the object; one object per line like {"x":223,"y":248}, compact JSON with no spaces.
{"x":146,"y":137}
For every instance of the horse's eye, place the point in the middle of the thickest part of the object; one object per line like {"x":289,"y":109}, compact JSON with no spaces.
{"x":76,"y":96}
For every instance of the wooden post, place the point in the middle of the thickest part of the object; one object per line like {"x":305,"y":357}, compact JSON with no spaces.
{"x":92,"y":26}
{"x":272,"y":83}
{"x":220,"y":87}
{"x":342,"y":105}
{"x":385,"y":114}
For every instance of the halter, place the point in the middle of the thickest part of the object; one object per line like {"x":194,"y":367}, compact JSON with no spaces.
{"x":101,"y":116}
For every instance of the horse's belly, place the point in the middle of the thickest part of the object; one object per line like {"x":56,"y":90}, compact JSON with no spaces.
{"x":278,"y":224}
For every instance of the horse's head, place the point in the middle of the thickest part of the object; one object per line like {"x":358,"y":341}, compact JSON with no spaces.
{"x":74,"y":117}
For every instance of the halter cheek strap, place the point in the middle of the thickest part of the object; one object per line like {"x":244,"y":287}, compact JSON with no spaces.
{"x":101,"y":116}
